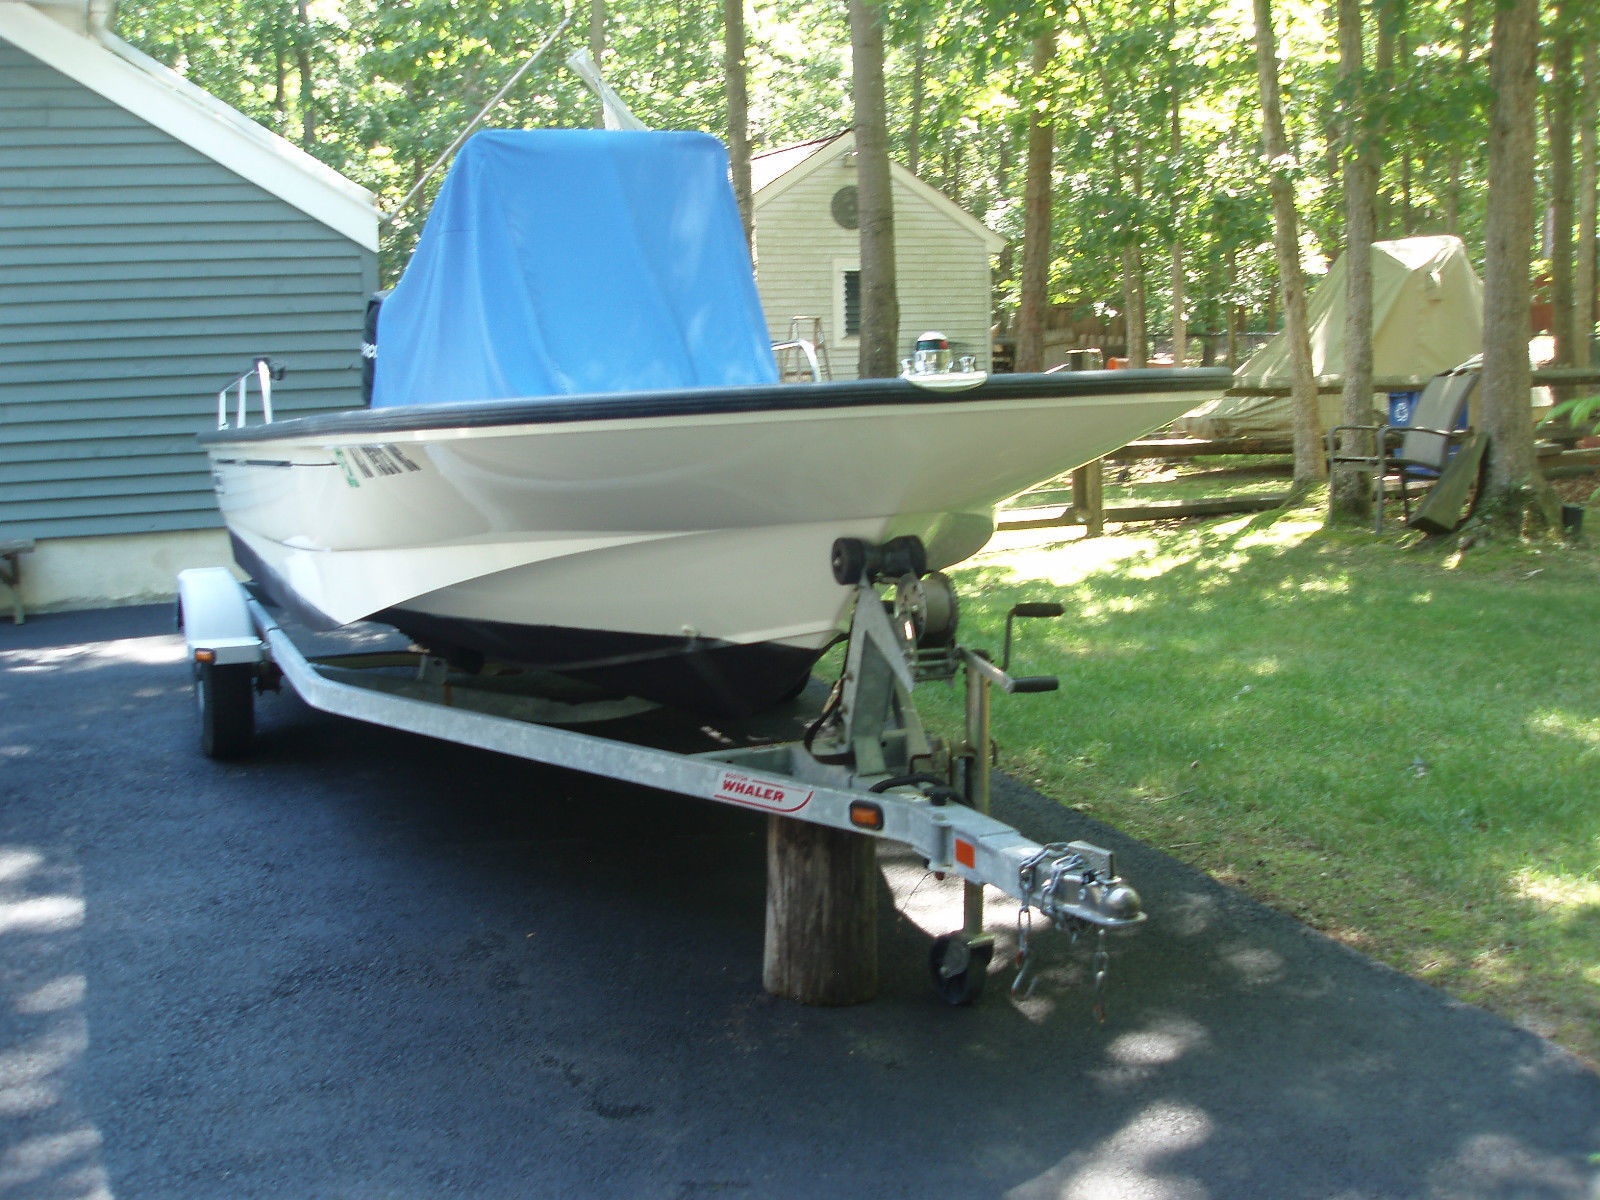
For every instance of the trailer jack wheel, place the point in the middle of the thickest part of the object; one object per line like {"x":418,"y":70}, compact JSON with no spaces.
{"x":224,"y":697}
{"x":959,"y":965}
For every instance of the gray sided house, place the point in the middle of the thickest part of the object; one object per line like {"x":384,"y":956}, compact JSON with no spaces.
{"x":808,"y":253}
{"x":152,"y":241}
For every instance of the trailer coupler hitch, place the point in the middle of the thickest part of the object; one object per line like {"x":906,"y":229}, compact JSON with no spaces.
{"x":1076,"y":887}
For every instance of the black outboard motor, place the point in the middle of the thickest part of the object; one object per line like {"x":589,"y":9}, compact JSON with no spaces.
{"x":369,"y":344}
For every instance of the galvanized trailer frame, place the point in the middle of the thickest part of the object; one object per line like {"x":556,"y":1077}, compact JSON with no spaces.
{"x":866,"y":765}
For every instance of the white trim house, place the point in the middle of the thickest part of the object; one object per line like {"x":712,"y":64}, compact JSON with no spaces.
{"x":808,"y":252}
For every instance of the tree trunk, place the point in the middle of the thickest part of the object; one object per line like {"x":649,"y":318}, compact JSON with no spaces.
{"x":1309,"y":464}
{"x":1180,"y":328}
{"x":919,"y":58}
{"x":822,"y":914}
{"x":954,"y":149}
{"x":1384,"y":13}
{"x":1583,"y":275}
{"x":597,"y":30}
{"x":880,"y":304}
{"x":1333,"y":172}
{"x":1468,"y":45}
{"x":1515,"y":497}
{"x":597,"y":45}
{"x":1002,"y":185}
{"x":1351,"y":498}
{"x":280,"y":94}
{"x":1135,"y":329}
{"x":1407,"y":220}
{"x":302,"y":55}
{"x":1034,"y":297}
{"x":1230,"y":258}
{"x":1558,"y":134}
{"x":1452,"y":202}
{"x":733,"y":70}
{"x":1388,"y":11}
{"x":1180,"y":325}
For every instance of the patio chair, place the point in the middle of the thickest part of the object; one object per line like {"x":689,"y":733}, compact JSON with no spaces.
{"x":1416,"y":451}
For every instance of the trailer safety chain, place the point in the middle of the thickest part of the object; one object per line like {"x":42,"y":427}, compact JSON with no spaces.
{"x":1102,"y":968}
{"x":1022,"y":985}
{"x":1067,"y":867}
{"x":1027,"y":873}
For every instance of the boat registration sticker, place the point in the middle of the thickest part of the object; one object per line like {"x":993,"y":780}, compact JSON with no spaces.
{"x":363,"y":463}
{"x":737,"y":788}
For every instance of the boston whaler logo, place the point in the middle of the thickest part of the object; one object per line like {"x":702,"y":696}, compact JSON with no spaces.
{"x":760,"y":793}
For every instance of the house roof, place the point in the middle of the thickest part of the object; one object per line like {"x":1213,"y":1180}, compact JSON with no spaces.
{"x":135,"y":82}
{"x":776,"y":171}
{"x":770,"y":164}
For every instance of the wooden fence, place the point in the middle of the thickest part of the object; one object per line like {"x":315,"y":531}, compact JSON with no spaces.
{"x":1088,"y":482}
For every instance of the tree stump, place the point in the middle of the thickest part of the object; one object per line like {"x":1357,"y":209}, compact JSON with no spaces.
{"x":822,"y":914}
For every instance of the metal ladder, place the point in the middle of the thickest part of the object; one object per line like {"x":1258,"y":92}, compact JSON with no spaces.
{"x":804,"y":357}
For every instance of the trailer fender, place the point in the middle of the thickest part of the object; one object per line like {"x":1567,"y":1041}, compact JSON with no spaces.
{"x":215,"y":618}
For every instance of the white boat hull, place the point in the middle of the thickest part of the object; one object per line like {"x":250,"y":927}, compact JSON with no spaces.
{"x":673,"y":531}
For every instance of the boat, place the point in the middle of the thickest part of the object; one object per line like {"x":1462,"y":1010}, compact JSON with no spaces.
{"x":577,"y":457}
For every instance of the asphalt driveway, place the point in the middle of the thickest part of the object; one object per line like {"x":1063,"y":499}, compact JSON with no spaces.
{"x":368,"y":965}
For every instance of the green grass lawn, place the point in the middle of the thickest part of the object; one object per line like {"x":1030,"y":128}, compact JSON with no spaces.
{"x":1398,"y":746}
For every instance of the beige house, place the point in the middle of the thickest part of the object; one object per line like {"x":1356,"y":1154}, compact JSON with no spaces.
{"x":808,"y":253}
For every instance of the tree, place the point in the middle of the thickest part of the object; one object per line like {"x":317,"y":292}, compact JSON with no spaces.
{"x":1180,"y":328}
{"x":1034,"y":298}
{"x":919,"y":96}
{"x":1583,"y":275}
{"x":1558,"y":107}
{"x":1149,"y":104}
{"x":597,"y":34}
{"x":880,"y":305}
{"x":1515,"y":496}
{"x":1308,"y":460}
{"x":733,"y":70}
{"x":1360,"y":173}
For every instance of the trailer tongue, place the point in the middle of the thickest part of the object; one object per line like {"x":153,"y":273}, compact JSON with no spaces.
{"x":864,"y":764}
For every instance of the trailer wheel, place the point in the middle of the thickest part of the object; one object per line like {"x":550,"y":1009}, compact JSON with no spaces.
{"x":960,"y":966}
{"x":224,"y":699}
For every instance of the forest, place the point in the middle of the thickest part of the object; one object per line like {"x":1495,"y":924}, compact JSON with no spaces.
{"x":1159,"y":167}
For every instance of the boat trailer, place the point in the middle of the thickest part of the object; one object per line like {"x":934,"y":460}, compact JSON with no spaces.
{"x":865,"y":764}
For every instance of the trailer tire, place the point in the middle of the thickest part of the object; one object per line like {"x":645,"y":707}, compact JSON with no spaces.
{"x":960,"y":966}
{"x":225,"y":702}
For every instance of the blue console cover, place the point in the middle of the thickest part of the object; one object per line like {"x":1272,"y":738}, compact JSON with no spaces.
{"x":563,"y":262}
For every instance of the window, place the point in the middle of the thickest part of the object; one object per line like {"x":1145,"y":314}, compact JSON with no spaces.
{"x":844,"y":279}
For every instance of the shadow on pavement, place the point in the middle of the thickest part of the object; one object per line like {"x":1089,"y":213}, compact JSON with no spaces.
{"x":364,"y":964}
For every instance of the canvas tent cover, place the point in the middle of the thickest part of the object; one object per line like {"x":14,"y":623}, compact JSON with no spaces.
{"x":1427,"y":316}
{"x":569,"y":262}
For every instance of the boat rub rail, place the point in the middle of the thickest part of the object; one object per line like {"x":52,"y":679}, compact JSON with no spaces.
{"x":620,"y":406}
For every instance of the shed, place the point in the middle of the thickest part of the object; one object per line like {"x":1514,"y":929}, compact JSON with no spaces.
{"x":808,"y":253}
{"x":152,"y":241}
